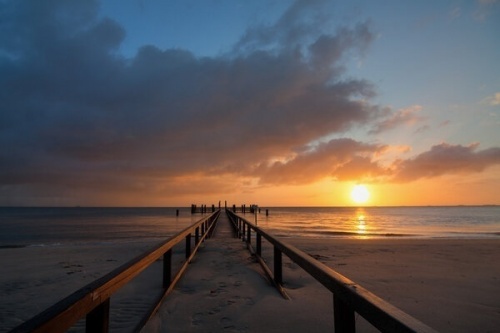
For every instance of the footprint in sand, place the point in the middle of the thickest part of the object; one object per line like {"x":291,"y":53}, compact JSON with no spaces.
{"x":214,"y":311}
{"x":197,"y":319}
{"x":227,"y":323}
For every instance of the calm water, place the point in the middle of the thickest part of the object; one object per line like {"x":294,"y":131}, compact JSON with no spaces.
{"x":60,"y":226}
{"x":423,"y":222}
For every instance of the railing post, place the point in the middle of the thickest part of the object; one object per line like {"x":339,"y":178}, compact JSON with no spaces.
{"x":239,"y":227}
{"x":259,"y":245}
{"x":343,"y":316}
{"x":197,"y":236}
{"x":188,"y":246}
{"x":244,"y":231}
{"x":97,"y":320}
{"x":249,"y":235}
{"x":167,"y":268}
{"x":278,"y":273}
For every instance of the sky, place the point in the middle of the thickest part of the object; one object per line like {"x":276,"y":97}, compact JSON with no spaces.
{"x":279,"y":103}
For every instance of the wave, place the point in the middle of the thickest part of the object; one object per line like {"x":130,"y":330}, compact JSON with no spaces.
{"x":333,"y":233}
{"x":13,"y":246}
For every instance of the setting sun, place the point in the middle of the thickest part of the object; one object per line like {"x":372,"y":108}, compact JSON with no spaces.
{"x":360,"y":194}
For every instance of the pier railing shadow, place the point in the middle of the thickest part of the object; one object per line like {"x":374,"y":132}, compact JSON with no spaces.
{"x":348,"y":297}
{"x":93,"y":300}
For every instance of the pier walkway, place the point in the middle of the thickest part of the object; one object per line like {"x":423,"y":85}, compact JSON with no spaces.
{"x":224,"y":290}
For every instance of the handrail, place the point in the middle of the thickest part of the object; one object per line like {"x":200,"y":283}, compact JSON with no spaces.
{"x":93,"y":300}
{"x":348,"y":296}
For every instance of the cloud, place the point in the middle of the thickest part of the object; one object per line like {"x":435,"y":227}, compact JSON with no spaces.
{"x":485,"y":8}
{"x":403,"y":117}
{"x":342,"y":159}
{"x":487,"y":2}
{"x":81,"y":124}
{"x":455,"y":13}
{"x":493,"y":100}
{"x":348,"y":159}
{"x":446,"y":159}
{"x":79,"y":117}
{"x":297,"y":26}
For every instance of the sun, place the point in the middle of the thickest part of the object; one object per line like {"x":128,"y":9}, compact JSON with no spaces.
{"x":360,"y":194}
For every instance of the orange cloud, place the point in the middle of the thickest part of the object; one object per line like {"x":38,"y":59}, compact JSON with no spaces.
{"x":446,"y":159}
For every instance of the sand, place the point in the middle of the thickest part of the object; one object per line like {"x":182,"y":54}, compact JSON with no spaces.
{"x":452,"y":285}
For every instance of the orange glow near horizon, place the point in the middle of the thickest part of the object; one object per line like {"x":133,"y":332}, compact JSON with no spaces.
{"x":445,"y":190}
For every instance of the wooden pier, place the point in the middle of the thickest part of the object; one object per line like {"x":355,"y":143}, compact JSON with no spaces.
{"x":223,"y":267}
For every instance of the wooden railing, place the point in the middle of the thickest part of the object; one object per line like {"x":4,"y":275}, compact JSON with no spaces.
{"x":348,"y":297}
{"x":93,"y":300}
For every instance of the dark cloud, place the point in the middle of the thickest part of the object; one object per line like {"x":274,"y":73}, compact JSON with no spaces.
{"x":302,"y":21}
{"x":76,"y":114}
{"x":445,"y":159}
{"x":403,"y":117}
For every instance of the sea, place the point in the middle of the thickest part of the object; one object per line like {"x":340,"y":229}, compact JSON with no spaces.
{"x":45,"y":227}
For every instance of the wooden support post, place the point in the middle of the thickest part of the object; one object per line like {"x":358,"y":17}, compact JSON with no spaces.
{"x":167,"y":269}
{"x":278,"y":272}
{"x":97,"y":320}
{"x":249,"y":235}
{"x":343,"y":316}
{"x":197,"y":236}
{"x":259,"y":245}
{"x":188,"y":246}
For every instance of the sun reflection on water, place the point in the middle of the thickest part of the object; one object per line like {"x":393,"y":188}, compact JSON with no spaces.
{"x":360,"y":221}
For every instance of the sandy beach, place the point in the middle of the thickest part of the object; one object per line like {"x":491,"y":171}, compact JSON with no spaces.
{"x":452,"y":285}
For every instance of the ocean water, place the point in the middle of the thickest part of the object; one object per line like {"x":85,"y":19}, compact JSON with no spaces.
{"x":380,"y":222}
{"x":21,"y":227}
{"x":61,"y":226}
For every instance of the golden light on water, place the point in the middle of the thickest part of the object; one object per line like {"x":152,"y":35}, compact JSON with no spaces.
{"x":360,"y":227}
{"x":361,"y":224}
